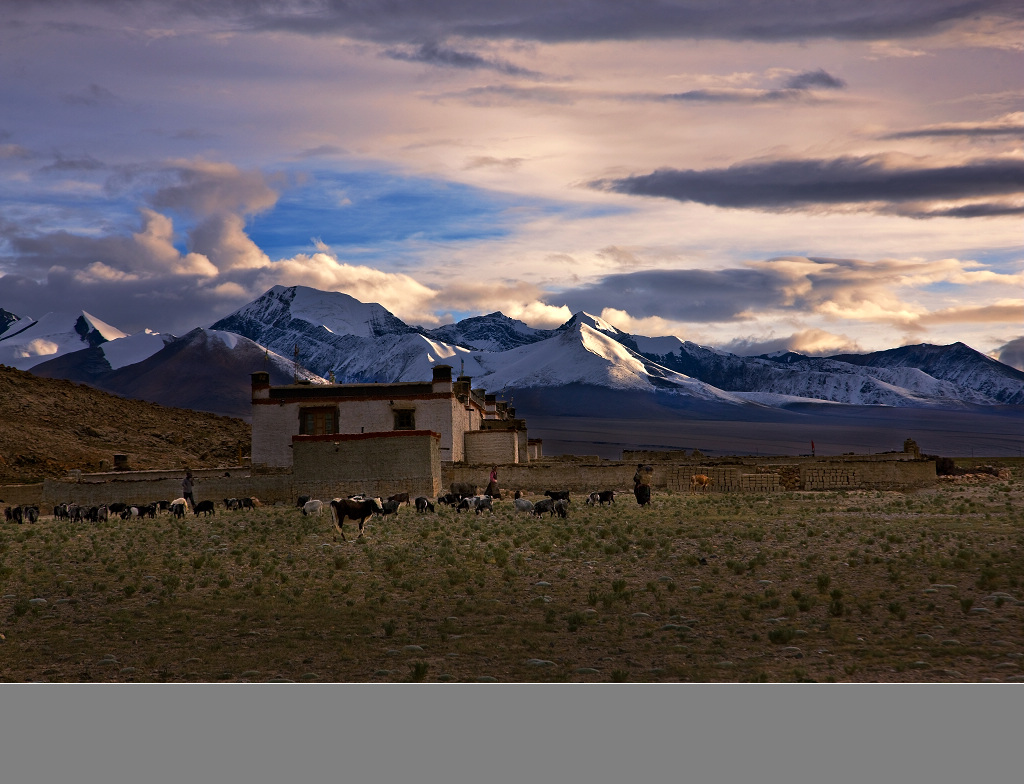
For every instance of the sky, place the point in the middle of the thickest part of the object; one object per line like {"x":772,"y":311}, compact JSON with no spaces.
{"x":818,"y":176}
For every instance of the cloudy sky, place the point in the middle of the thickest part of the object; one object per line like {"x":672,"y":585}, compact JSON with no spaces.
{"x":814,"y":175}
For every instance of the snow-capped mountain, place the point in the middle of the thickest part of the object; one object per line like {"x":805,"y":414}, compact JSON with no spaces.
{"x":581,"y":354}
{"x":6,"y":319}
{"x":27,"y":342}
{"x":948,"y":376}
{"x":493,"y":332}
{"x":957,"y":363}
{"x":359,"y":342}
{"x":302,"y":309}
{"x":206,"y":370}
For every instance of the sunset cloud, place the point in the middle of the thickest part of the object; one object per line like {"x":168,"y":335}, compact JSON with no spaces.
{"x":815,"y":176}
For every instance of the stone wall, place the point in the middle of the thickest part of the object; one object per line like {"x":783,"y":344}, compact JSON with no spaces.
{"x":724,"y":479}
{"x":870,"y":475}
{"x":21,"y":495}
{"x":492,"y":447}
{"x":536,"y":477}
{"x":379,"y":464}
{"x":894,"y":473}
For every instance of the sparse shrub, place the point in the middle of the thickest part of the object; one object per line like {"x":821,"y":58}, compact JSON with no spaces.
{"x":781,"y":635}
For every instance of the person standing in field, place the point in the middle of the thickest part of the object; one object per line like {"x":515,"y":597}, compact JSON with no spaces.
{"x":642,"y":484}
{"x":187,"y":486}
{"x":492,"y":483}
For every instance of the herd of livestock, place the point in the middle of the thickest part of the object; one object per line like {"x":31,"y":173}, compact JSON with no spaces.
{"x":76,"y":513}
{"x":461,"y":497}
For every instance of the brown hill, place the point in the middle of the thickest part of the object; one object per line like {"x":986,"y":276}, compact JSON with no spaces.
{"x":50,"y":426}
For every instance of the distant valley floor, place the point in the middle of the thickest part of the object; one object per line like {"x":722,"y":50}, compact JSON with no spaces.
{"x":998,"y":432}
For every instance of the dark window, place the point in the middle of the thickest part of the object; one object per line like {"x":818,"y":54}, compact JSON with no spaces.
{"x":318,"y":422}
{"x":404,"y":420}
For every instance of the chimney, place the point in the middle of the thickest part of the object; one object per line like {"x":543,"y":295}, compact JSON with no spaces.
{"x":260,"y":385}
{"x":442,"y":380}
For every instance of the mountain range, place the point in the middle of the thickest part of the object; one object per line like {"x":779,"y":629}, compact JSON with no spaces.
{"x":585,"y":358}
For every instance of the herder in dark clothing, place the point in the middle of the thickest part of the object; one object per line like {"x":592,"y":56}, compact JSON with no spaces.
{"x":187,"y":485}
{"x":642,"y":484}
{"x":492,"y":484}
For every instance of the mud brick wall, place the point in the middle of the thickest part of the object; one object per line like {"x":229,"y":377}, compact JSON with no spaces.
{"x":833,"y":476}
{"x":873,"y":475}
{"x":534,"y":478}
{"x":495,"y":447}
{"x":21,"y":495}
{"x":379,"y":464}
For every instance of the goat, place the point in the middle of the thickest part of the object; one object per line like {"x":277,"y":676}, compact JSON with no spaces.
{"x":480,"y":503}
{"x":523,"y":505}
{"x":312,"y":507}
{"x":544,"y":506}
{"x":423,"y":504}
{"x":556,"y":495}
{"x":601,"y":498}
{"x":390,"y":507}
{"x":402,"y":498}
{"x":561,"y":507}
{"x":206,"y":507}
{"x":302,"y":500}
{"x":179,"y":509}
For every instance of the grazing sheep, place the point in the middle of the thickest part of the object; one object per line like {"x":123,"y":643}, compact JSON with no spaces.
{"x":523,"y":505}
{"x":480,"y":503}
{"x":312,"y":507}
{"x":206,"y":507}
{"x":545,"y":506}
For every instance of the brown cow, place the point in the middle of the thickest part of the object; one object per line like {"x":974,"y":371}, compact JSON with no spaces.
{"x":357,"y":510}
{"x":702,"y":481}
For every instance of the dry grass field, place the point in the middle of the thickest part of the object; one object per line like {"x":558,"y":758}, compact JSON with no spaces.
{"x":848,"y":586}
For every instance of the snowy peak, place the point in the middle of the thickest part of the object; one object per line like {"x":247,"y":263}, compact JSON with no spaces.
{"x":6,"y":320}
{"x":581,"y":354}
{"x":332,"y":311}
{"x":600,"y":325}
{"x":492,"y":332}
{"x":26,"y":343}
{"x":94,"y":332}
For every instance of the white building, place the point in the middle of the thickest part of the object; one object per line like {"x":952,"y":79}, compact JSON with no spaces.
{"x":472,"y":426}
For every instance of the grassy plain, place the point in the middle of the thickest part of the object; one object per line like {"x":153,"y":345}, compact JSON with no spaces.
{"x":848,"y":586}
